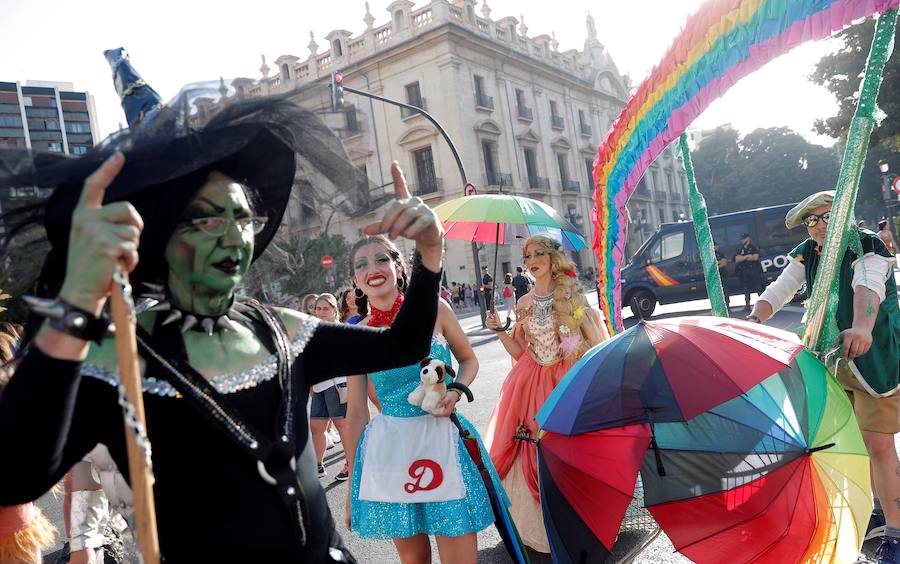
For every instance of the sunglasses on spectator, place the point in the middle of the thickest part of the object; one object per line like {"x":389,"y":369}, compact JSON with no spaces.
{"x":812,"y":219}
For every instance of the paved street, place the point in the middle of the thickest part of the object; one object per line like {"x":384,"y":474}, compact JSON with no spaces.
{"x":494,"y":365}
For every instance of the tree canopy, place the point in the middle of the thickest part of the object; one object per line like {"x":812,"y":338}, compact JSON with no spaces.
{"x":841,"y":73}
{"x":766,"y":167}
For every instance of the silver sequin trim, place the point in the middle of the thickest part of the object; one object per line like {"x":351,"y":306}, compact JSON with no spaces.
{"x":224,"y":383}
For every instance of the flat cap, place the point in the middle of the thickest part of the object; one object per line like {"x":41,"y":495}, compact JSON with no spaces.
{"x":794,"y":218}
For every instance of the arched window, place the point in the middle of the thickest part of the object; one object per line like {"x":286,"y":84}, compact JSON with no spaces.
{"x":336,"y":48}
{"x":285,"y":72}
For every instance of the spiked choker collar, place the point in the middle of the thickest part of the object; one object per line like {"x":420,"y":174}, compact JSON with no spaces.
{"x":156,"y":299}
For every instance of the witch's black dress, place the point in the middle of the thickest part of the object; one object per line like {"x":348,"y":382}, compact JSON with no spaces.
{"x":212,"y":504}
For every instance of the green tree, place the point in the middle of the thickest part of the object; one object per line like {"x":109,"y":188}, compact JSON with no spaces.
{"x":766,"y":167}
{"x":716,"y":160}
{"x":294,"y":265}
{"x":841,"y":73}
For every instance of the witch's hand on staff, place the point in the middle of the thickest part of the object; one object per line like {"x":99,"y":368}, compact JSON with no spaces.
{"x":101,"y":238}
{"x":410,"y":218}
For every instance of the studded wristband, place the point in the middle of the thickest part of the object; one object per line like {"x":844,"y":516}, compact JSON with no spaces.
{"x":71,"y":320}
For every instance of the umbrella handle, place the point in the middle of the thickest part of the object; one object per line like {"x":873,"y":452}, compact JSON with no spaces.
{"x":463,"y":389}
{"x":505,"y":325}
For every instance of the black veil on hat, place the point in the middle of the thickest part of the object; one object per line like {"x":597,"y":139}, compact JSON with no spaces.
{"x":269,"y":144}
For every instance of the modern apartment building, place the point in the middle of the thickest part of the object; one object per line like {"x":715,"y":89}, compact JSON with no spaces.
{"x":47,"y":116}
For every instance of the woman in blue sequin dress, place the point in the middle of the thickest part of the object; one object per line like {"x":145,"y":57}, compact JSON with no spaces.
{"x":454,"y":518}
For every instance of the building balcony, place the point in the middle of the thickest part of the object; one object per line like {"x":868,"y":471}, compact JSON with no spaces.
{"x":498,"y":179}
{"x":586,"y":130}
{"x":643,"y":194}
{"x":660,"y":195}
{"x":539,"y":183}
{"x":557,"y":122}
{"x":406,"y":113}
{"x":430,"y":186}
{"x":525,"y":113}
{"x":484,"y":101}
{"x":570,"y":186}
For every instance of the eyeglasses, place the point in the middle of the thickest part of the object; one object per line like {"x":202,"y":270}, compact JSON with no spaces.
{"x":812,"y":219}
{"x":216,"y":226}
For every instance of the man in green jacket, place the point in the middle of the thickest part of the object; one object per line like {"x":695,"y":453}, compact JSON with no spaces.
{"x":868,"y":317}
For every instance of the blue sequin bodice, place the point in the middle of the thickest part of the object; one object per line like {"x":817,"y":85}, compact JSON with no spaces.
{"x":394,"y":386}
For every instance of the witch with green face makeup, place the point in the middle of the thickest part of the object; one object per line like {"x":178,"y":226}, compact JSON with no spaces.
{"x":187,"y":209}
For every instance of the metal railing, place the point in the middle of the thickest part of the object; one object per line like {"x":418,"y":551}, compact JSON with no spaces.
{"x":586,"y":129}
{"x":539,"y":183}
{"x":484,"y":101}
{"x":498,"y":179}
{"x":429,"y":186}
{"x":571,"y":186}
{"x":525,"y":112}
{"x":557,"y":122}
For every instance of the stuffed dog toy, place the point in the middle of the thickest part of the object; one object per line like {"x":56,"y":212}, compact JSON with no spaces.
{"x":432,"y":387}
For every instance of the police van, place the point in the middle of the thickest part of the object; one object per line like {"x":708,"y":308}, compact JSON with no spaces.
{"x":667,"y":268}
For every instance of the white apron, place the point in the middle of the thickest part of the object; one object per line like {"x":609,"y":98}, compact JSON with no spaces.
{"x":411,"y":460}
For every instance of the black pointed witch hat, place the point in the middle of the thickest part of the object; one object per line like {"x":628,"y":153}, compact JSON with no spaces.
{"x":269,"y":144}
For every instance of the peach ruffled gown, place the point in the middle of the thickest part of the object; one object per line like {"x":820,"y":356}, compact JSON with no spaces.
{"x":532,"y":378}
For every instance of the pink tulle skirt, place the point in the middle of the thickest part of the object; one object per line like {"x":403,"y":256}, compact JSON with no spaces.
{"x":521,"y":397}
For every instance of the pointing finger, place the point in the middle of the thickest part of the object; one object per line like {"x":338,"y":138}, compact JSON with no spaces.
{"x":373,"y":229}
{"x":400,"y":190}
{"x":95,"y":184}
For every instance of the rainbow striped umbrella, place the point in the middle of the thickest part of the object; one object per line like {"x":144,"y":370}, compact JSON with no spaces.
{"x":777,"y":474}
{"x":502,"y":219}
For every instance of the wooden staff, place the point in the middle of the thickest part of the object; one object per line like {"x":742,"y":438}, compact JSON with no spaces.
{"x":139,"y":469}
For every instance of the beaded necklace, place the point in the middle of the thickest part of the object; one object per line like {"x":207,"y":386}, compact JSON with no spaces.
{"x":380,"y":318}
{"x":542,"y":306}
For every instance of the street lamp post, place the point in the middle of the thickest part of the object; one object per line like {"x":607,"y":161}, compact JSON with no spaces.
{"x":888,"y":194}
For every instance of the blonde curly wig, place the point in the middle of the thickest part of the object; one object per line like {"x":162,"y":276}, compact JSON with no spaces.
{"x":569,"y":302}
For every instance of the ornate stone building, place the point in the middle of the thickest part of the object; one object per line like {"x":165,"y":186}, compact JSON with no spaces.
{"x":527,"y":118}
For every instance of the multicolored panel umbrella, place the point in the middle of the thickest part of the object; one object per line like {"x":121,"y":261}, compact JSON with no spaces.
{"x":586,"y":483}
{"x":477,"y":218}
{"x":503,"y":521}
{"x":665,"y":370}
{"x":779,"y":474}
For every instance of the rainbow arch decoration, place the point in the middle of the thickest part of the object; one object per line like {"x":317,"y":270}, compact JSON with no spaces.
{"x":721,"y":43}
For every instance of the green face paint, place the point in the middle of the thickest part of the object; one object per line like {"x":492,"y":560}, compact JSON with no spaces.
{"x":205,"y":269}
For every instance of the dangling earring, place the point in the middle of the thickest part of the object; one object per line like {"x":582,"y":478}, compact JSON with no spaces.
{"x":359,"y":294}
{"x":401,"y":283}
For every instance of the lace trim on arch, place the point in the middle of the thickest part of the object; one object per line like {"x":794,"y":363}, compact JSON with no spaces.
{"x":223,"y":383}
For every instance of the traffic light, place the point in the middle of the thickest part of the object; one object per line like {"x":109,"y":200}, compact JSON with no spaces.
{"x":337,"y":92}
